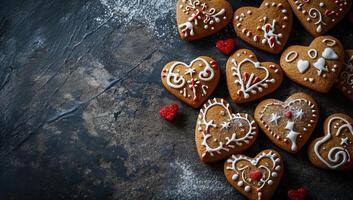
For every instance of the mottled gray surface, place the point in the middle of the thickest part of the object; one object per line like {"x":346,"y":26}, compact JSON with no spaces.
{"x":79,"y":100}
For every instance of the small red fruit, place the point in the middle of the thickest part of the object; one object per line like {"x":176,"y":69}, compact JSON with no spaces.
{"x":169,"y":112}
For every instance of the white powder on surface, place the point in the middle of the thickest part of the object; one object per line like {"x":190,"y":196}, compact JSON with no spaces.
{"x":151,"y":13}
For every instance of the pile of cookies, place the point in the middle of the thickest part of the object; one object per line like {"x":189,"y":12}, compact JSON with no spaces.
{"x":221,"y":134}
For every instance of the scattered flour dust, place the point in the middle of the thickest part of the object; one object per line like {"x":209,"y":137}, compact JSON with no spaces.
{"x":157,"y":15}
{"x":195,"y":185}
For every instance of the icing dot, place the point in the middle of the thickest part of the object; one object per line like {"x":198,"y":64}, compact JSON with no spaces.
{"x":270,"y":182}
{"x":240,"y":183}
{"x":247,"y":188}
{"x":274,"y":174}
{"x":284,"y":11}
{"x":322,"y":4}
{"x":277,"y":168}
{"x":234,"y":177}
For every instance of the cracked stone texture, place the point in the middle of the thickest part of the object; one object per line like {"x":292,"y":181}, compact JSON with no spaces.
{"x":79,"y":99}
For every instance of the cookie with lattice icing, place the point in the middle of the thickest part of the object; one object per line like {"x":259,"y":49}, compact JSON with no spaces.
{"x":248,"y":79}
{"x":220,"y":133}
{"x":344,"y":82}
{"x":288,"y":124}
{"x":267,"y":27}
{"x":191,"y":83}
{"x":335,"y":149}
{"x":200,"y":18}
{"x":319,"y":16}
{"x":316,"y":66}
{"x":256,"y":178}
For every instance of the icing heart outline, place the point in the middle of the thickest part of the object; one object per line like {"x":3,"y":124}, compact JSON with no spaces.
{"x":325,"y":55}
{"x":269,"y":163}
{"x":319,"y":18}
{"x":288,"y":124}
{"x":191,"y":83}
{"x":273,"y":23}
{"x":197,"y":19}
{"x":247,"y":85}
{"x":339,"y":149}
{"x":220,"y":133}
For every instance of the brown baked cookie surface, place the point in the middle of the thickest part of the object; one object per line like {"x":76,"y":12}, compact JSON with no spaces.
{"x":191,"y":83}
{"x":335,"y":149}
{"x":200,"y":18}
{"x":220,"y":133}
{"x":345,"y":81}
{"x":248,"y":79}
{"x":288,"y":124}
{"x":316,"y":66}
{"x":267,"y":27}
{"x":256,"y":178}
{"x":319,"y":16}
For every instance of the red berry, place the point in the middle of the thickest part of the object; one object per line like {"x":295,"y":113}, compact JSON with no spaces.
{"x":169,"y":112}
{"x":298,"y":194}
{"x":226,"y":46}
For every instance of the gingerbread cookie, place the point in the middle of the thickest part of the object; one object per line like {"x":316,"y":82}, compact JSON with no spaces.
{"x":319,"y":16}
{"x":335,"y":149}
{"x":256,"y":178}
{"x":220,"y":133}
{"x":267,"y":27}
{"x":248,"y":79}
{"x":192,"y":83}
{"x":288,"y":124}
{"x":317,"y":66}
{"x":200,"y":18}
{"x":345,"y":81}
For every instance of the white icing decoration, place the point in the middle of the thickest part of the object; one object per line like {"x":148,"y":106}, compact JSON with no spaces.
{"x":291,"y":56}
{"x":320,"y":65}
{"x":200,"y":13}
{"x":292,"y":135}
{"x":302,"y":65}
{"x":274,"y":118}
{"x":248,"y":86}
{"x":338,"y":155}
{"x":312,"y":53}
{"x":267,"y":170}
{"x":316,"y":14}
{"x":299,"y":114}
{"x":329,"y":53}
{"x":177,"y":81}
{"x":329,"y":42}
{"x":270,"y":36}
{"x":232,"y":119}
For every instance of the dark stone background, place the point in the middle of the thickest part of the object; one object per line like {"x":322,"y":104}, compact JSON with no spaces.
{"x":79,"y":99}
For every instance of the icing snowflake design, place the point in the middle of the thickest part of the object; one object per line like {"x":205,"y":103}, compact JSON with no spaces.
{"x":316,"y":17}
{"x":266,"y":33}
{"x":190,"y":81}
{"x":205,"y":125}
{"x":337,"y":155}
{"x":291,"y":114}
{"x":250,"y":83}
{"x":268,"y":172}
{"x":321,"y":61}
{"x":346,"y":77}
{"x":200,"y":13}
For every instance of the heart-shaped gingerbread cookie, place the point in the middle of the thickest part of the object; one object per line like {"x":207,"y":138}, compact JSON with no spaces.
{"x":200,"y":18}
{"x":319,"y":16}
{"x":192,"y":83}
{"x":256,"y":178}
{"x":288,"y":124}
{"x":220,"y":133}
{"x":345,"y":81}
{"x":267,"y":27}
{"x":317,"y":66}
{"x":335,"y":149}
{"x":248,"y":79}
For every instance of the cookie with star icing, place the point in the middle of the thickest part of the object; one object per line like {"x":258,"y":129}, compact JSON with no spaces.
{"x":248,"y":79}
{"x":344,"y":82}
{"x":200,"y":18}
{"x":288,"y":124}
{"x":316,"y":66}
{"x":191,"y":83}
{"x":220,"y":133}
{"x":335,"y":149}
{"x":267,"y":27}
